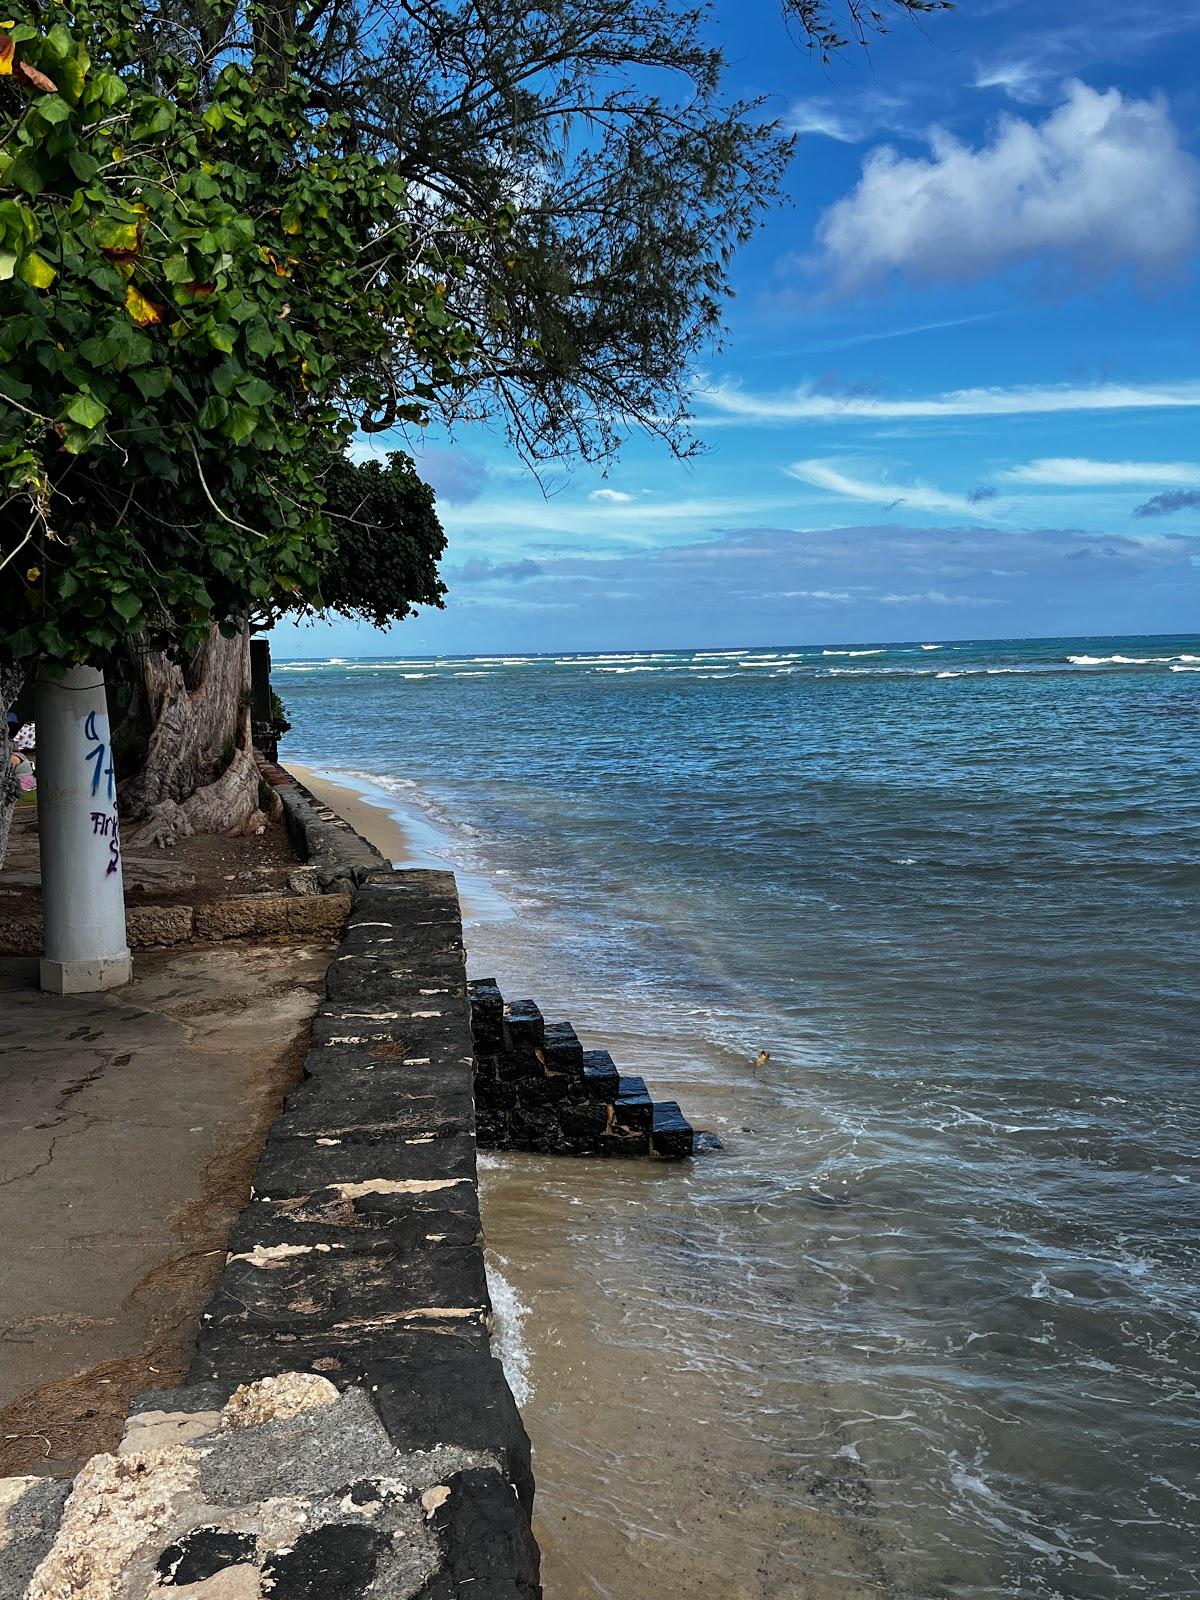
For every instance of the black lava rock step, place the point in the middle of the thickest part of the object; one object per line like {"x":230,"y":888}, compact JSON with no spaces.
{"x":671,"y":1136}
{"x":538,"y":1089}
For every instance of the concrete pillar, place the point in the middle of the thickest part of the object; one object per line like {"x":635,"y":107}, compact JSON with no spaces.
{"x":83,"y":895}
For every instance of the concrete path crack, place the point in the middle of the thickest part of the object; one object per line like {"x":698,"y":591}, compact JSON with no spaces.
{"x":21,"y":1177}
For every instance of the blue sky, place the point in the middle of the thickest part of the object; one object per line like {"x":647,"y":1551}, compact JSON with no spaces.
{"x":961,"y":388}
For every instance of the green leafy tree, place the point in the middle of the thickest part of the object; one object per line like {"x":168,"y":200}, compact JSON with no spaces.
{"x":201,"y":294}
{"x":387,"y":540}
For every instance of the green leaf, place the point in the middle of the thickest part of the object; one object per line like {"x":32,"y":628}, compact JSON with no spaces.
{"x":52,"y":108}
{"x":261,"y":342}
{"x":8,"y":262}
{"x":152,"y":385}
{"x":26,"y":173}
{"x":86,"y":410}
{"x":213,"y":412}
{"x":255,"y":392}
{"x":242,"y":423}
{"x":84,"y":166}
{"x":128,"y":605}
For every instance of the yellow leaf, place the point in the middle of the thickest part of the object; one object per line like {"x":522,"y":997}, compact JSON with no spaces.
{"x":292,"y":225}
{"x":120,"y":241}
{"x":36,"y":270}
{"x":141,"y":309}
{"x":7,"y":49}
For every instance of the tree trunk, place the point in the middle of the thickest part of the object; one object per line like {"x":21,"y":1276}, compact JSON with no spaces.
{"x":12,"y":680}
{"x":198,"y":773}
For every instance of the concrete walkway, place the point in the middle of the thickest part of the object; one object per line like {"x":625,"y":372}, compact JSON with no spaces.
{"x":130,"y":1124}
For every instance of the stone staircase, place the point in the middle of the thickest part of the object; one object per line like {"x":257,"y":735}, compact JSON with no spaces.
{"x":537,"y":1088}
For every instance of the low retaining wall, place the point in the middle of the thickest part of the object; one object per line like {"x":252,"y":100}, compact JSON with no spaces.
{"x":345,"y":1431}
{"x":340,"y":856}
{"x":148,"y":927}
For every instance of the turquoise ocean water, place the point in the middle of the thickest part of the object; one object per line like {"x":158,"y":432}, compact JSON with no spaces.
{"x":942,"y":1281}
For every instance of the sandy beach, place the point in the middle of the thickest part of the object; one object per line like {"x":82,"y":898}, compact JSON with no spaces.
{"x":372,"y":819}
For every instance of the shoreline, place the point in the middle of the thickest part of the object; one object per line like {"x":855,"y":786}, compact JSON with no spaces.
{"x":371,"y":818}
{"x":400,"y":833}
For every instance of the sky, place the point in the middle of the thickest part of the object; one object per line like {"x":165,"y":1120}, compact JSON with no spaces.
{"x":960,"y":391}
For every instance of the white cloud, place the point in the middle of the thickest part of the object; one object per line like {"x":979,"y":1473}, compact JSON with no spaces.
{"x":821,"y":475}
{"x":1076,"y":472}
{"x":1019,"y":79}
{"x":810,"y":116}
{"x":1102,"y":180}
{"x":611,"y":497}
{"x":937,"y":597}
{"x":841,"y":596}
{"x":849,"y":118}
{"x":809,"y":403}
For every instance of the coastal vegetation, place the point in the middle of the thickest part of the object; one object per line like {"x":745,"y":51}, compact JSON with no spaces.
{"x":233,"y":237}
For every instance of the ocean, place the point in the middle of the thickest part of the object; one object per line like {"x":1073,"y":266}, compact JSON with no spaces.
{"x":927,"y":1325}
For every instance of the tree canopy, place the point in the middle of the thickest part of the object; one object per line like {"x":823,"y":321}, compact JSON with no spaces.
{"x":235,"y":232}
{"x":202,"y":294}
{"x":386,"y":540}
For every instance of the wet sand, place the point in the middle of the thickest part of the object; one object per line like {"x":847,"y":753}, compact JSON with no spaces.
{"x":375,"y":823}
{"x":660,"y":1470}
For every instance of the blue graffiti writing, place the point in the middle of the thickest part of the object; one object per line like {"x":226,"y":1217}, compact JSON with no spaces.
{"x":97,"y":754}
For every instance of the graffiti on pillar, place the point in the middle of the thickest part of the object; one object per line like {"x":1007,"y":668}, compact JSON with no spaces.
{"x":105,"y":826}
{"x":97,"y":754}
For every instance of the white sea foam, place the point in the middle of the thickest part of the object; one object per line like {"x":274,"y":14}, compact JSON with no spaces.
{"x":878,"y":652}
{"x":1043,"y":1289}
{"x":1184,"y":669}
{"x":508,"y":1342}
{"x":931,"y":647}
{"x":1120,"y":661}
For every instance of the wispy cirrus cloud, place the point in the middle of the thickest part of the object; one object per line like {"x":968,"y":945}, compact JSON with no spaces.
{"x":939,"y":597}
{"x":814,"y":403}
{"x":480,"y":570}
{"x":915,"y":497}
{"x":1078,"y":472}
{"x":848,"y":118}
{"x":1087,"y":185}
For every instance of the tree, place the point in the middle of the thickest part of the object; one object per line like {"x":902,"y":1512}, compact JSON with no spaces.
{"x":631,"y":175}
{"x":822,"y":24}
{"x":387,"y":540}
{"x":201,"y":294}
{"x":186,"y":737}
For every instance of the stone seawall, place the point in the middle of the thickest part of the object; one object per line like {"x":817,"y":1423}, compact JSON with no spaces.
{"x":345,"y":1431}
